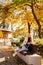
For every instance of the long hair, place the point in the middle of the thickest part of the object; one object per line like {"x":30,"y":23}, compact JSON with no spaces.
{"x":29,"y":39}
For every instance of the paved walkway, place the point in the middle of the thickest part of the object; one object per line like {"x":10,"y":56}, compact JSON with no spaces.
{"x":10,"y":60}
{"x":13,"y":61}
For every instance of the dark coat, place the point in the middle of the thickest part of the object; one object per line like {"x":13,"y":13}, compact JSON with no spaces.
{"x":31,"y":48}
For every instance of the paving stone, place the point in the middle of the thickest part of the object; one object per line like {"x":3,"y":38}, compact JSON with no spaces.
{"x":10,"y":60}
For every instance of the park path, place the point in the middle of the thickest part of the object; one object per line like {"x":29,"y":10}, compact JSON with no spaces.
{"x":10,"y":60}
{"x":13,"y":61}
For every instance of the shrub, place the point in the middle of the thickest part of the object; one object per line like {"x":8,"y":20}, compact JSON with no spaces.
{"x":17,"y":43}
{"x":38,"y":41}
{"x":40,"y":49}
{"x":22,"y":39}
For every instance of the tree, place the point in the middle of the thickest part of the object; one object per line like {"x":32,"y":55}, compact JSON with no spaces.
{"x":21,"y":30}
{"x":32,"y":4}
{"x":20,"y":3}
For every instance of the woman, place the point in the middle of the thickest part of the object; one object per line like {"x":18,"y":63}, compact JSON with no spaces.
{"x":27,"y":46}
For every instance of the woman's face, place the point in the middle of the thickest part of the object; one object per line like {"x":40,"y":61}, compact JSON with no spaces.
{"x":28,"y":43}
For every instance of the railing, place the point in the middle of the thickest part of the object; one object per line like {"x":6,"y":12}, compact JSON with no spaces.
{"x":5,"y":28}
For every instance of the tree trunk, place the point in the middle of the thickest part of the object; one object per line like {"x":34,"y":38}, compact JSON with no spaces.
{"x":39,"y":31}
{"x":28,"y":28}
{"x":35,"y":17}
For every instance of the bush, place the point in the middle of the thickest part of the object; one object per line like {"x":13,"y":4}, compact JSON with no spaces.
{"x":17,"y":43}
{"x":40,"y":49}
{"x":38,"y":41}
{"x":22,"y":39}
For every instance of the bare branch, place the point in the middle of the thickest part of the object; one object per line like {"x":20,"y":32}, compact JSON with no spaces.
{"x":39,"y":7}
{"x":27,"y":4}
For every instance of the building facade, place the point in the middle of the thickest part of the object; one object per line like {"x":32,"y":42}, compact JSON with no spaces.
{"x":5,"y":34}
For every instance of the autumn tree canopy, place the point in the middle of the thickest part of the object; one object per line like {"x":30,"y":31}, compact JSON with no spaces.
{"x":29,"y":11}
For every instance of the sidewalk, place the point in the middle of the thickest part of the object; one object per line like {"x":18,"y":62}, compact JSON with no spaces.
{"x":9,"y":59}
{"x":14,"y":61}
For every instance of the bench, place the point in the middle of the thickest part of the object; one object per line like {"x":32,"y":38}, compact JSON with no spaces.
{"x":31,"y":59}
